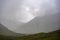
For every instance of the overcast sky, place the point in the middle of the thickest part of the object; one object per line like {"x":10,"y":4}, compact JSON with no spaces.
{"x":30,"y":16}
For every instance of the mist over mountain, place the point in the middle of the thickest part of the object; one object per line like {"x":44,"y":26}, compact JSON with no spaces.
{"x":6,"y":32}
{"x":47,"y":23}
{"x":20,"y":16}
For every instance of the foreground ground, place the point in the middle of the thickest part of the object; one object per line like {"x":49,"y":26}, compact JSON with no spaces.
{"x":55,"y":35}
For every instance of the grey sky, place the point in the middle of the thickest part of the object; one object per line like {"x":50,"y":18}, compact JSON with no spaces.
{"x":45,"y":19}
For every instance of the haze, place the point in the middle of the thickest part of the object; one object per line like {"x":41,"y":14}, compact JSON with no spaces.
{"x":30,"y":16}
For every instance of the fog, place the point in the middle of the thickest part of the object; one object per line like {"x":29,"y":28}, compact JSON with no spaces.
{"x":30,"y":16}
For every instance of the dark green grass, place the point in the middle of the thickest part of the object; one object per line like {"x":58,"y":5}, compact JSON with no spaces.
{"x":55,"y":35}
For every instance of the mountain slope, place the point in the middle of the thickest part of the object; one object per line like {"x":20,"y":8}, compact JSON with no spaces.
{"x":5,"y":31}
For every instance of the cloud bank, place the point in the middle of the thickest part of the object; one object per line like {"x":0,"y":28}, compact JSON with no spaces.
{"x":30,"y":16}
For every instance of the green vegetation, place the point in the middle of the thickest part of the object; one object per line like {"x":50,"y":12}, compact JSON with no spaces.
{"x":55,"y":35}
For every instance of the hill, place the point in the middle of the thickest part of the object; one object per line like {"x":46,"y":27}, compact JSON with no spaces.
{"x":5,"y":31}
{"x":55,"y":35}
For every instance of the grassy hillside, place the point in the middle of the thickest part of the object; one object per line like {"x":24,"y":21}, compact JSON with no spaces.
{"x":55,"y":35}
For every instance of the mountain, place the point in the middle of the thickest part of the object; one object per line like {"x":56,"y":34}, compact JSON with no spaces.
{"x":5,"y":31}
{"x":48,"y":23}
